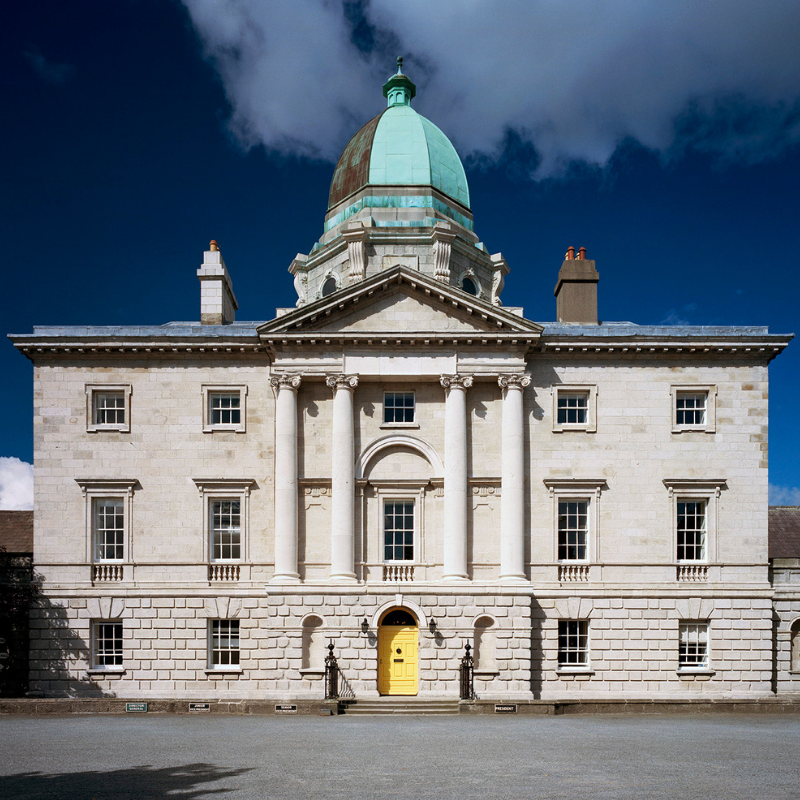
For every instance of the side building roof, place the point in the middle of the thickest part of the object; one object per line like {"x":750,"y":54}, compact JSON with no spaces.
{"x":784,"y":532}
{"x":16,"y":531}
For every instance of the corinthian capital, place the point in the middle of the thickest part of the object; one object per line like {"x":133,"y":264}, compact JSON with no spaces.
{"x":456,"y":381}
{"x":285,"y":381}
{"x":342,"y":381}
{"x":514,"y":381}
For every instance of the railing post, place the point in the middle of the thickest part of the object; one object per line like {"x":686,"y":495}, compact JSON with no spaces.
{"x":467,"y":675}
{"x":331,"y":675}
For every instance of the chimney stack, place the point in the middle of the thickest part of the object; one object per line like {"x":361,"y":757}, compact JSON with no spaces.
{"x":576,"y":290}
{"x":217,"y":302}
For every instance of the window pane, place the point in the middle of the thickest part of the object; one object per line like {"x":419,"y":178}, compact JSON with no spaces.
{"x":693,"y":644}
{"x":224,"y":408}
{"x":691,"y":530}
{"x":690,"y":408}
{"x":573,"y":642}
{"x":398,"y":407}
{"x":398,"y":530}
{"x":573,"y":408}
{"x":224,"y":642}
{"x":109,"y":529}
{"x":108,"y":644}
{"x":572,"y":530}
{"x":226,"y":530}
{"x":109,"y":408}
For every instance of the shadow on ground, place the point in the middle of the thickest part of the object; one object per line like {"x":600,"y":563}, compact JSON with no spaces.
{"x":185,"y":782}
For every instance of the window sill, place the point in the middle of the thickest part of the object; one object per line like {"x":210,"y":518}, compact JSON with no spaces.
{"x":224,"y":429}
{"x":389,"y":425}
{"x":111,"y":672}
{"x":108,"y":429}
{"x":693,"y":429}
{"x":579,"y":428}
{"x":574,"y":671}
{"x":224,"y":671}
{"x":312,"y":672}
{"x":486,"y":673}
{"x":691,"y":673}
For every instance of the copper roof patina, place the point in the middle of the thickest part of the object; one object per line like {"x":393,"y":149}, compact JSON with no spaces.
{"x":352,"y":169}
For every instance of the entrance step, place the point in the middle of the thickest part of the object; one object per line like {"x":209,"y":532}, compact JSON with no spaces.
{"x":398,"y":706}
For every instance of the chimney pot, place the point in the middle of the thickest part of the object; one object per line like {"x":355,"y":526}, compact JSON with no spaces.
{"x":582,"y":254}
{"x":213,"y":246}
{"x":570,"y":253}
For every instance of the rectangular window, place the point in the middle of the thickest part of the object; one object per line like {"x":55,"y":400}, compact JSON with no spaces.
{"x":573,"y":643}
{"x":108,"y":524}
{"x":398,"y":407}
{"x":107,"y":645}
{"x":108,"y":408}
{"x":691,"y":530}
{"x":224,"y":408}
{"x":690,"y":408}
{"x":573,"y":408}
{"x":693,"y":645}
{"x":226,"y":529}
{"x":398,"y":530}
{"x":224,"y":643}
{"x":573,"y":525}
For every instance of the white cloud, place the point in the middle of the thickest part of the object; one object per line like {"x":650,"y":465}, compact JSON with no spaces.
{"x":16,"y":484}
{"x":575,"y":79}
{"x":784,"y":495}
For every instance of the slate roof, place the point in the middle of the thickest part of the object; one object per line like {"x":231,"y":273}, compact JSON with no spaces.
{"x":16,"y":531}
{"x":784,"y":532}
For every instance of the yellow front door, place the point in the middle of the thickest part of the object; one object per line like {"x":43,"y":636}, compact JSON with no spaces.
{"x":397,"y":659}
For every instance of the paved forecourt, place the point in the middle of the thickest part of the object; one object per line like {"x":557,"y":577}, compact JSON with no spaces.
{"x":695,"y":755}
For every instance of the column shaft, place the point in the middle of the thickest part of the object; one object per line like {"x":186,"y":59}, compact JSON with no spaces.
{"x":286,"y":480}
{"x":512,"y":499}
{"x":343,"y":480}
{"x":455,"y":478}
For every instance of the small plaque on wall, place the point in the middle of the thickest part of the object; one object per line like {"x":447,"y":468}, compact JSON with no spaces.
{"x":505,"y":708}
{"x":136,"y":708}
{"x":285,"y":709}
{"x":199,"y":706}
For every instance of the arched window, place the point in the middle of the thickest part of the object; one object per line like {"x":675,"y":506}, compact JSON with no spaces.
{"x":796,"y":646}
{"x":484,"y":644}
{"x":313,"y":643}
{"x":468,"y":285}
{"x":329,"y":287}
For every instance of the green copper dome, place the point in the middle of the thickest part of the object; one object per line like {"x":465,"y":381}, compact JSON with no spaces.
{"x":400,"y":148}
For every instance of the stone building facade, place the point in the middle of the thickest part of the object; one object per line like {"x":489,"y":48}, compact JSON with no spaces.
{"x":401,"y":465}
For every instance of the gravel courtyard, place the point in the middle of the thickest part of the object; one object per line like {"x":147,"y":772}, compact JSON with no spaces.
{"x":205,"y":756}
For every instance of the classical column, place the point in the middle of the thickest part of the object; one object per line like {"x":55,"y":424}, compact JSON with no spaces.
{"x":343,"y":479}
{"x":512,"y":496}
{"x":455,"y":476}
{"x":286,"y":478}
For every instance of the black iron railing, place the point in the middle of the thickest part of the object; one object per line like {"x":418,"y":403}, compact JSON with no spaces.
{"x":331,"y":675}
{"x":466,"y":670}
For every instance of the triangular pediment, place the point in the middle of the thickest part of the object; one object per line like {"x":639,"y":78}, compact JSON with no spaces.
{"x":400,"y":301}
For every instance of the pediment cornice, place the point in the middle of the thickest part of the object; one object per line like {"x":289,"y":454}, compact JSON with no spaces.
{"x":488,"y":320}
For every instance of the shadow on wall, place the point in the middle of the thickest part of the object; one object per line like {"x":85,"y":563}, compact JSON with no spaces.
{"x":537,"y":653}
{"x":187,"y":781}
{"x":18,"y":589}
{"x":56,"y":652}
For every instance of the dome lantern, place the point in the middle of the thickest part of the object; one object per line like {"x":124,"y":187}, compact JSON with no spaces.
{"x":399,"y":89}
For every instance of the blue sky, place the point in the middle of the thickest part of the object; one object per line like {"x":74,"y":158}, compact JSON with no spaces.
{"x":664,"y":139}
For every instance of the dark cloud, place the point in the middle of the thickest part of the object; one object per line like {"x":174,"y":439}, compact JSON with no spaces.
{"x":571,"y":80}
{"x":55,"y":74}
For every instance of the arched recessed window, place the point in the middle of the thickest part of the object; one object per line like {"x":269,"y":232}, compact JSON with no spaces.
{"x":468,"y":285}
{"x":329,"y":287}
{"x":484,"y":644}
{"x":313,"y":643}
{"x":796,"y":646}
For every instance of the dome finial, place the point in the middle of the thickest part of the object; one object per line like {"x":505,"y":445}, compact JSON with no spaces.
{"x":399,"y":89}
